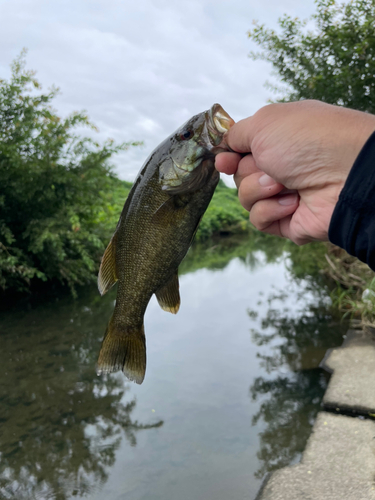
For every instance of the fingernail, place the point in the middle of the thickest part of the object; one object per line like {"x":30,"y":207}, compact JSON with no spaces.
{"x":266,"y":180}
{"x":289,"y":199}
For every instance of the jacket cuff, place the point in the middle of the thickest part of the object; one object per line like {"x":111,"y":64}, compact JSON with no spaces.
{"x":352,"y":225}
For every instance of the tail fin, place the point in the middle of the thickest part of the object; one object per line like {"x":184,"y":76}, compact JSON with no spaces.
{"x":123,"y":348}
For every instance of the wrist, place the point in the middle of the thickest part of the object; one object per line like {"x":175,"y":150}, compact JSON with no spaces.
{"x":358,"y":127}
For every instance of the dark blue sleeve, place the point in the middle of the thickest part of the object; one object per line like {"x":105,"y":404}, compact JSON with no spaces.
{"x":352,"y":225}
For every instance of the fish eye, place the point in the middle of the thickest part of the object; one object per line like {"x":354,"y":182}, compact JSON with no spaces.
{"x":187,"y":134}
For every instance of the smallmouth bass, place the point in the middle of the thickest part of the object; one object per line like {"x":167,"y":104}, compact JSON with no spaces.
{"x":155,"y":230}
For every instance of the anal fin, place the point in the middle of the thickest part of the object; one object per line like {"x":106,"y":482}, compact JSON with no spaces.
{"x":169,"y":296}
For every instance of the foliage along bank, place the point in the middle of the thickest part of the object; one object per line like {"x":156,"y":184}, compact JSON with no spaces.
{"x":51,"y":188}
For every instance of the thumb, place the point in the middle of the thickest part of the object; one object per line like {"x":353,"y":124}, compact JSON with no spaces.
{"x":240,"y":136}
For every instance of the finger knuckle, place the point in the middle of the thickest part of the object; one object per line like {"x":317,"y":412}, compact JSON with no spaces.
{"x":258,"y":220}
{"x":245,"y":197}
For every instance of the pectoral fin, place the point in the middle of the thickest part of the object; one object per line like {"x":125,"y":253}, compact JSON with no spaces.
{"x":107,"y":273}
{"x":166,"y":213}
{"x":169,"y":296}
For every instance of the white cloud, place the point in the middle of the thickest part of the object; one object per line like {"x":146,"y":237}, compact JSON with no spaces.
{"x":140,"y":69}
{"x":148,"y":125}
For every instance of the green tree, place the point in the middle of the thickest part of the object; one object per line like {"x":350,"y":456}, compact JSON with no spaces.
{"x":333,"y":60}
{"x":52,"y":187}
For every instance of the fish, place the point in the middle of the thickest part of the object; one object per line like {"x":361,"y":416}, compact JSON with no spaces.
{"x":155,"y":230}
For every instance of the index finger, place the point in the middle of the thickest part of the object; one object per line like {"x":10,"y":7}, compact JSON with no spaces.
{"x":227,"y":163}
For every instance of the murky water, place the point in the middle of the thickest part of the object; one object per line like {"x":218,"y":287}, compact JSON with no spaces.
{"x":231,"y":390}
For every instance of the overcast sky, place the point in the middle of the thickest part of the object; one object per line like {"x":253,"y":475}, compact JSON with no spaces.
{"x":142,"y":68}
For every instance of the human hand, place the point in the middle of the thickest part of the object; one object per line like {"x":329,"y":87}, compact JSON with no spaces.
{"x":299,"y":156}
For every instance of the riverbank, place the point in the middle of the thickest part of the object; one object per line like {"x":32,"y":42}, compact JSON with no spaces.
{"x":354,"y":294}
{"x":351,"y":283}
{"x":339,"y":459}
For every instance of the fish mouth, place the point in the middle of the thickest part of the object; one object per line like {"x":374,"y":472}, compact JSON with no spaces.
{"x":217,"y":124}
{"x":219,"y":119}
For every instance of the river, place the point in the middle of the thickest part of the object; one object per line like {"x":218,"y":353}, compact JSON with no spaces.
{"x":231,"y":391}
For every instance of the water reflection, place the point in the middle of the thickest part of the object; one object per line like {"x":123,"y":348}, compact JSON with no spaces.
{"x":60,"y":424}
{"x":253,"y":250}
{"x":291,"y":393}
{"x":66,"y":433}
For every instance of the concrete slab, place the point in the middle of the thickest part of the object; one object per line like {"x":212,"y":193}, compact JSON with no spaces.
{"x":351,"y":389}
{"x":338,"y":464}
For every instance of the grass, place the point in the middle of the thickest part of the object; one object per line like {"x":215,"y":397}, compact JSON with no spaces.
{"x":354,"y":291}
{"x":351,"y":283}
{"x":224,"y":215}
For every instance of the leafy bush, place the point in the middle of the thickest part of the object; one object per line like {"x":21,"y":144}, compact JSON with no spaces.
{"x":52,"y":185}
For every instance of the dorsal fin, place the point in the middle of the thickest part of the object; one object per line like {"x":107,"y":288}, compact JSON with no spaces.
{"x":107,"y":276}
{"x":169,"y":296}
